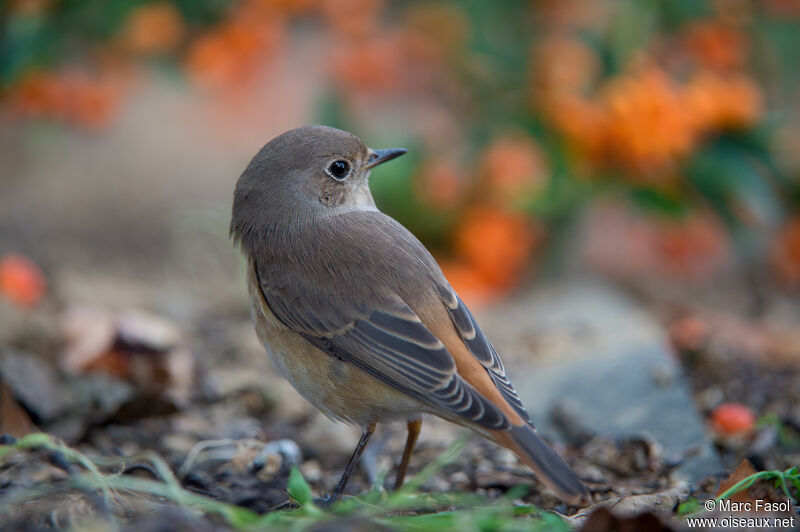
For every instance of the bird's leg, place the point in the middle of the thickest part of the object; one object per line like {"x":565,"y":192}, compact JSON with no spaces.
{"x":414,"y":427}
{"x":369,"y":430}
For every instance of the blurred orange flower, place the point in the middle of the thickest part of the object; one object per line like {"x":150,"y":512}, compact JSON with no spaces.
{"x":647,"y":128}
{"x":30,"y":7}
{"x":351,"y":18}
{"x":497,"y":244}
{"x":581,"y":121}
{"x":718,"y":102}
{"x":369,"y":64}
{"x":783,"y":8}
{"x":230,"y":55}
{"x":21,"y":281}
{"x":785,"y":254}
{"x":37,"y":94}
{"x":468,"y":283}
{"x":690,"y":248}
{"x":92,"y":102}
{"x":154,"y":28}
{"x":435,"y":33}
{"x":284,"y":6}
{"x":626,"y":243}
{"x":716,"y":45}
{"x":646,"y":122}
{"x":76,"y":97}
{"x":439,"y":184}
{"x":562,"y":64}
{"x":513,"y":166}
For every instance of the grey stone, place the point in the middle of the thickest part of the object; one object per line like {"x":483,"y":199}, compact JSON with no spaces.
{"x":35,"y":383}
{"x":584,"y":346}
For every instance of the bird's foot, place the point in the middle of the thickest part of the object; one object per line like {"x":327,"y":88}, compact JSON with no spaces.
{"x":327,"y":500}
{"x":288,"y":504}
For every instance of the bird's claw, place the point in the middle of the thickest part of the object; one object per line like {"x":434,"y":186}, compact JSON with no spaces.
{"x":326,"y":501}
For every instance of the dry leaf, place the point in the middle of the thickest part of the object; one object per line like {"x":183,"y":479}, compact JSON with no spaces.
{"x":632,"y":506}
{"x":743,"y":470}
{"x":14,"y":420}
{"x":602,"y":520}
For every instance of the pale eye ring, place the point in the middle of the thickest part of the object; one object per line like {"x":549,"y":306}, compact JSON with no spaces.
{"x":339,"y":170}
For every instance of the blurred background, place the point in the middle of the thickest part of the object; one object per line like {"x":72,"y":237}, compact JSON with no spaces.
{"x":651,"y":146}
{"x":648,"y":141}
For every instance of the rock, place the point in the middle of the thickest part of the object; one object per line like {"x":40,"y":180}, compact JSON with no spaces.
{"x":34,"y":330}
{"x":101,"y":394}
{"x":36,"y":384}
{"x":587,"y":346}
{"x":223,"y":381}
{"x":286,"y":448}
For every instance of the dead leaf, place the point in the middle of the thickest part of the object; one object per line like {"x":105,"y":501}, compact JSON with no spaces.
{"x":89,"y":333}
{"x":662,"y":501}
{"x":743,"y":470}
{"x":140,"y":331}
{"x":137,"y":347}
{"x":602,"y":520}
{"x":632,"y":506}
{"x":14,"y":420}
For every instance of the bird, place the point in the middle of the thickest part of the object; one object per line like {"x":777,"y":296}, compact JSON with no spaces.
{"x":356,"y":313}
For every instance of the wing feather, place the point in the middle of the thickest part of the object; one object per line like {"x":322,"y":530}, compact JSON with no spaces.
{"x":393,"y":345}
{"x":481,"y":349}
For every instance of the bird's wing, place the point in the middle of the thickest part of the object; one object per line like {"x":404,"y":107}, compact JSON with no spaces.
{"x":479,"y":346}
{"x":352,"y":297}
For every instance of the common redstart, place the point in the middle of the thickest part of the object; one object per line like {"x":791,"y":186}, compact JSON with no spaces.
{"x":357,"y":314}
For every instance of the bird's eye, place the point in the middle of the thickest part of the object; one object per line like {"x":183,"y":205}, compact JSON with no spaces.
{"x":339,"y":169}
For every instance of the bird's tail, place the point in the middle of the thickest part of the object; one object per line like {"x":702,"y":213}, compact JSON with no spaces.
{"x":548,"y":466}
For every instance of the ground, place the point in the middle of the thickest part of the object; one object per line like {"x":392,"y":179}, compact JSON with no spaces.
{"x":199,"y":408}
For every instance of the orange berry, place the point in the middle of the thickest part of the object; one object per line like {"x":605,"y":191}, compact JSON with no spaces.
{"x":21,"y":281}
{"x":729,"y":419}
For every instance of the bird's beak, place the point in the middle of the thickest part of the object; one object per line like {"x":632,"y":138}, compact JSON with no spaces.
{"x":377,"y":157}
